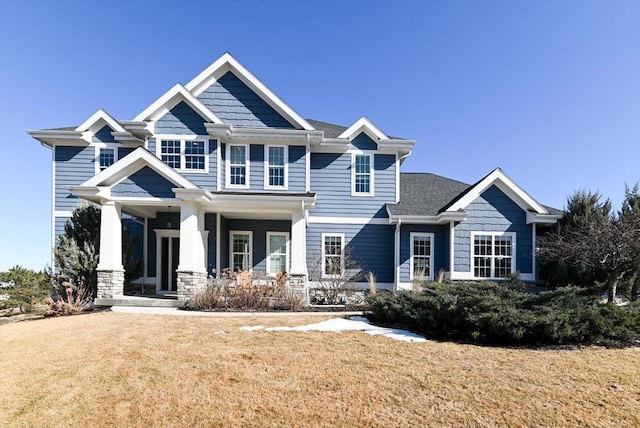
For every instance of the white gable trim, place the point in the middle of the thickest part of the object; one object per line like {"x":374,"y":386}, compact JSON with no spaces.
{"x":364,"y":125}
{"x":97,"y":117}
{"x":498,"y":178}
{"x":133,"y":162}
{"x":228,"y":63}
{"x":170,"y":99}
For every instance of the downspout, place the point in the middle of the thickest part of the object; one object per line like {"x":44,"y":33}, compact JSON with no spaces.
{"x":397,"y":253}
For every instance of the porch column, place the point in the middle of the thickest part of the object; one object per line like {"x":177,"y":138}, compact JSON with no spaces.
{"x":298,"y":273}
{"x":110,"y":269}
{"x":192,"y":272}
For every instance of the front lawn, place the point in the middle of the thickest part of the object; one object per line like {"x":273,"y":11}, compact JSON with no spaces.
{"x":114,"y":369}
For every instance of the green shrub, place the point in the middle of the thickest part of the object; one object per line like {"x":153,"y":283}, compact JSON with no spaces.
{"x":501,"y":314}
{"x":29,"y":287}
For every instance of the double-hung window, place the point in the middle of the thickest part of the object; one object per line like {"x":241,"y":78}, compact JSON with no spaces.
{"x":106,"y":157}
{"x":493,"y":254}
{"x":237,"y":165}
{"x":240,"y":253}
{"x":185,"y":154}
{"x":362,"y":174}
{"x":332,"y":254}
{"x":421,"y":256}
{"x":275,"y":169}
{"x":277,"y":252}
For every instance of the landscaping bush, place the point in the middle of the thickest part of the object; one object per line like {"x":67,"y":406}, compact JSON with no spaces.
{"x":501,"y":314}
{"x":27,"y":288}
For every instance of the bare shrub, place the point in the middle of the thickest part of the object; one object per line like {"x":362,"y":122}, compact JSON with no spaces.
{"x":331,"y":279}
{"x":69,"y":298}
{"x":244,"y":290}
{"x":371,"y":279}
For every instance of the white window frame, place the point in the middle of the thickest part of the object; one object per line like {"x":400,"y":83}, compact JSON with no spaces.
{"x":247,"y":167}
{"x":99,"y":147}
{"x":371,"y":156}
{"x":323,"y":255}
{"x":231,"y":252}
{"x":431,"y":237}
{"x":266,"y":167}
{"x":183,"y":142}
{"x":492,"y":257}
{"x":286,"y":261}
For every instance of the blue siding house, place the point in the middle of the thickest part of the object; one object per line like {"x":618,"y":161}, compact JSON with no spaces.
{"x":221,"y":173}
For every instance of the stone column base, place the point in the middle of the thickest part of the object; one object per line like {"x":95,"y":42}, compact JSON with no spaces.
{"x":110,"y":284}
{"x":190,"y":283}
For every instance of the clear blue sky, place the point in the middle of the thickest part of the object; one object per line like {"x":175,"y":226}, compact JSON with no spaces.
{"x":548,"y":91}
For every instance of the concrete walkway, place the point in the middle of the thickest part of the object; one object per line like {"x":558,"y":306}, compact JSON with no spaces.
{"x":178,"y":312}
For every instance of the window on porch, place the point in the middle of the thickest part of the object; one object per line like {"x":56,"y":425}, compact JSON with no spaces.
{"x":277,"y":252}
{"x":241,"y":250}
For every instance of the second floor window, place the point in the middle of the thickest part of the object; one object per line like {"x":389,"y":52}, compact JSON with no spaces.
{"x":106,"y":157}
{"x":237,"y":166}
{"x":362,"y":175}
{"x":276,"y":167}
{"x":184,"y":154}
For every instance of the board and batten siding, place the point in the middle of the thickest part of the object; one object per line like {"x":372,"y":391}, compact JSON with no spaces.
{"x":439,"y":248}
{"x":493,"y":211}
{"x":370,"y":245}
{"x":331,"y":181}
{"x":259,"y":248}
{"x":73,"y":166}
{"x":236,"y":104}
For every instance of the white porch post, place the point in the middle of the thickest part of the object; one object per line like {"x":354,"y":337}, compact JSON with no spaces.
{"x":192,"y":272}
{"x":110,"y":269}
{"x":298,"y":244}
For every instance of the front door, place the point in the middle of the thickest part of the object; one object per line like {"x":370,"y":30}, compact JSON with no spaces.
{"x":168,"y":253}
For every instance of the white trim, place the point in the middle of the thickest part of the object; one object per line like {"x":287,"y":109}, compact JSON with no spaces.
{"x":364,"y":125}
{"x":493,"y":235}
{"x":396,"y":253}
{"x":412,"y":236}
{"x":307,"y":168}
{"x":62,"y":213}
{"x":165,"y":233}
{"x":323,"y":255}
{"x":183,"y":145}
{"x":498,"y":178}
{"x":53,"y":207}
{"x":145,"y":252}
{"x":397,"y":166}
{"x":98,"y":147}
{"x":133,"y":162}
{"x":268,"y":253}
{"x":241,"y":232}
{"x":346,"y":220}
{"x":371,"y":156}
{"x":468,"y":276}
{"x":285,"y":166}
{"x":98,"y":116}
{"x":228,"y":63}
{"x":452,"y":246}
{"x":218,"y":245}
{"x":170,"y":99}
{"x":218,"y":164}
{"x":247,"y":165}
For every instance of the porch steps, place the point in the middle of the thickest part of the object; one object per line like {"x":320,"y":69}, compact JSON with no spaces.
{"x":149,"y":302}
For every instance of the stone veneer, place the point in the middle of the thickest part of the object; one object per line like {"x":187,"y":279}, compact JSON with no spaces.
{"x":110,"y":284}
{"x":189,"y":283}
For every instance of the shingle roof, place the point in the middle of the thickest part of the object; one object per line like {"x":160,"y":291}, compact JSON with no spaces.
{"x":425,"y":194}
{"x":330,"y":130}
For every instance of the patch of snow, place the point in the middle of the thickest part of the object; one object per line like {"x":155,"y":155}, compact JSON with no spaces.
{"x":353,"y":324}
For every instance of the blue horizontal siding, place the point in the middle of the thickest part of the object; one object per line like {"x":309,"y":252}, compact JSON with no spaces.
{"x":206,"y":180}
{"x":236,"y":104}
{"x":494,"y":211}
{"x":182,"y":119}
{"x":440,"y":248}
{"x":370,"y":246}
{"x":74,"y":165}
{"x":256,"y":159}
{"x":331,"y":181}
{"x":297,"y":169}
{"x":144,"y":183}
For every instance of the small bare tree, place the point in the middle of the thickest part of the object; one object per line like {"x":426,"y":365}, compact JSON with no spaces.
{"x":333,"y":273}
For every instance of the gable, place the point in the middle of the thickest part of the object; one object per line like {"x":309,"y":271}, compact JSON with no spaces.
{"x":144,"y":183}
{"x":104,"y":135}
{"x":236,"y":104}
{"x":494,"y":208}
{"x":364,"y":142}
{"x":181,"y":119}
